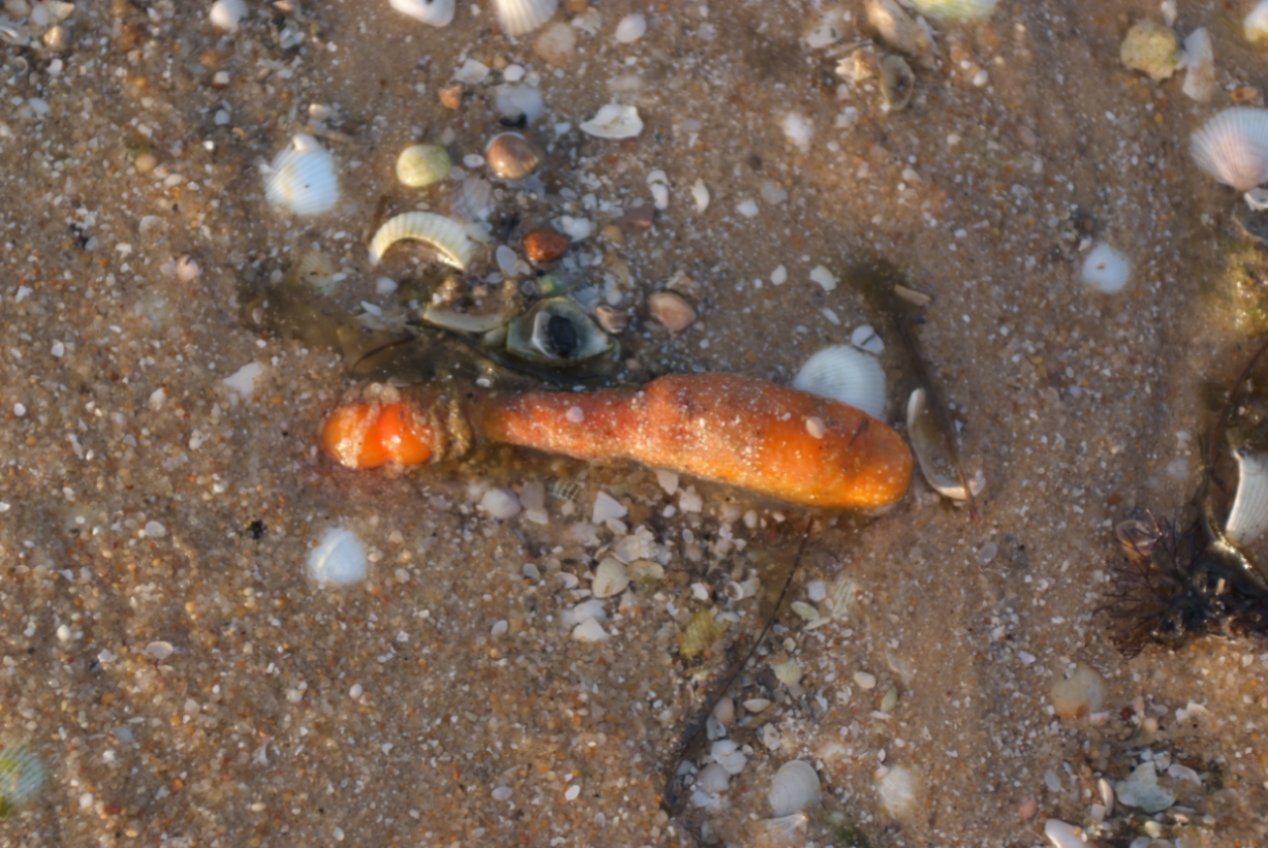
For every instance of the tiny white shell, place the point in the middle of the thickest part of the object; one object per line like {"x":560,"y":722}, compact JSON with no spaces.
{"x":446,"y":235}
{"x":614,"y":121}
{"x":227,"y":14}
{"x":793,"y":788}
{"x":302,"y":178}
{"x":610,"y":579}
{"x":845,"y":374}
{"x":898,"y":789}
{"x":518,"y":17}
{"x":1199,"y":64}
{"x":339,"y":558}
{"x":1063,"y":835}
{"x":1233,"y":147}
{"x":1255,"y":26}
{"x":1105,"y":269}
{"x":956,"y":10}
{"x":1248,"y":517}
{"x":437,"y":13}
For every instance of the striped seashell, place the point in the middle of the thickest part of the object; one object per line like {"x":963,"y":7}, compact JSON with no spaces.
{"x":301,"y":179}
{"x":519,"y":17}
{"x":437,"y":13}
{"x":1233,"y":147}
{"x":1248,"y":517}
{"x":845,"y":374}
{"x":446,"y":235}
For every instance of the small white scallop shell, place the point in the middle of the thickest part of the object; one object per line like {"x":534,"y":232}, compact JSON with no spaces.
{"x":1233,"y":147}
{"x":793,"y":788}
{"x":446,"y":235}
{"x":518,"y":17}
{"x":339,"y":558}
{"x":845,"y":374}
{"x":437,"y":13}
{"x":956,"y":10}
{"x":302,"y":178}
{"x":1248,"y":517}
{"x":614,"y":121}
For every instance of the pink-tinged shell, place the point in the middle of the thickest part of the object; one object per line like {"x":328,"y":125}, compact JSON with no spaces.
{"x":1233,"y":147}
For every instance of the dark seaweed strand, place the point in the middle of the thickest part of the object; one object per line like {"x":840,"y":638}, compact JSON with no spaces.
{"x":673,"y":799}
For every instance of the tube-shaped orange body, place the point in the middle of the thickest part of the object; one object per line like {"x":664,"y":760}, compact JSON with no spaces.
{"x":738,"y":430}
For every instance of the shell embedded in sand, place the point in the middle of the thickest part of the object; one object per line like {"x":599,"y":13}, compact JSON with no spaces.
{"x":437,"y":13}
{"x":846,"y":374}
{"x":517,"y":17}
{"x":956,"y":10}
{"x":1233,"y":147}
{"x":793,"y":788}
{"x":301,"y":179}
{"x":1248,"y":517}
{"x":446,"y":235}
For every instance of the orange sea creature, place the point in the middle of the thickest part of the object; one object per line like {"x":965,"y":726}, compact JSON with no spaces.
{"x":733,"y":429}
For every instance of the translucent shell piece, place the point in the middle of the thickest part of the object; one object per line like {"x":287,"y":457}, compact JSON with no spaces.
{"x":301,"y":178}
{"x":437,"y":13}
{"x":1233,"y":147}
{"x":446,"y":235}
{"x":845,"y":374}
{"x":956,"y":10}
{"x":518,"y":17}
{"x":1248,"y":517}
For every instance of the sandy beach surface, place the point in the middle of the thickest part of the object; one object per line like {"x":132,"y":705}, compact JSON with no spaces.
{"x":172,"y":674}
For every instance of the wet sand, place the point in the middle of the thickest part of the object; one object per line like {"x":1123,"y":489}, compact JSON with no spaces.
{"x":164,"y":654}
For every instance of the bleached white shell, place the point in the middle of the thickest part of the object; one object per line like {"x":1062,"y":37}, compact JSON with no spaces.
{"x":1233,"y":147}
{"x":1063,"y":835}
{"x":517,"y":17}
{"x":1248,"y":517}
{"x":845,"y":374}
{"x":1255,"y":26}
{"x":614,"y":121}
{"x":956,"y":10}
{"x":437,"y":13}
{"x":1105,"y":269}
{"x":446,"y":235}
{"x":898,"y":789}
{"x":339,"y":558}
{"x":302,"y":178}
{"x":227,"y":14}
{"x":793,"y":788}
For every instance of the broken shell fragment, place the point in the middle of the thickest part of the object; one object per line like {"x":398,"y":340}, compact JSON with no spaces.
{"x":545,"y":245}
{"x":611,"y":319}
{"x":1199,"y":65}
{"x":673,"y":311}
{"x":420,"y":165}
{"x":614,"y":121}
{"x":897,"y":82}
{"x":845,"y":374}
{"x":517,"y":17}
{"x":952,"y":11}
{"x":897,"y":29}
{"x":301,"y":179}
{"x":511,"y":156}
{"x":446,"y":235}
{"x":1233,"y":147}
{"x":933,"y":452}
{"x":1152,"y":49}
{"x":437,"y":13}
{"x":1105,"y":269}
{"x":556,"y":331}
{"x":1248,"y":517}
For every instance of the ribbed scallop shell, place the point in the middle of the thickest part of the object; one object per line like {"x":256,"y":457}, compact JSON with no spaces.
{"x":517,"y":17}
{"x":793,"y":788}
{"x":1248,"y":517}
{"x":302,"y":178}
{"x":1233,"y":147}
{"x":956,"y":10}
{"x":437,"y":13}
{"x":845,"y":374}
{"x":446,"y":235}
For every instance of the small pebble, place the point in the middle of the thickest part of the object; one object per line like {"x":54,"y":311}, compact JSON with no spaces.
{"x":631,"y":28}
{"x":607,"y":508}
{"x":500,"y":504}
{"x":671,"y":310}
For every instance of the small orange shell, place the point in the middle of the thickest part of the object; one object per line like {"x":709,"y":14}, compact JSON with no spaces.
{"x":545,"y":245}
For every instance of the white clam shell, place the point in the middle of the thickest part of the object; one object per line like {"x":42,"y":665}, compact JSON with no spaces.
{"x":793,"y":788}
{"x":518,"y":17}
{"x":1248,"y":517}
{"x":301,"y":179}
{"x":447,"y":236}
{"x":437,"y":13}
{"x":1105,"y":269}
{"x":614,"y":121}
{"x":1233,"y":147}
{"x":1063,"y":835}
{"x":846,"y":374}
{"x":956,"y":10}
{"x":339,"y":558}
